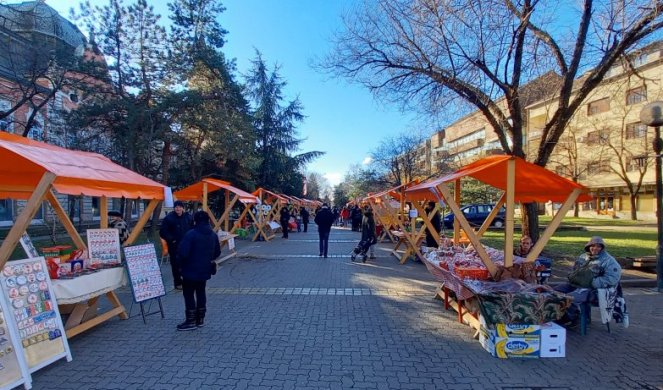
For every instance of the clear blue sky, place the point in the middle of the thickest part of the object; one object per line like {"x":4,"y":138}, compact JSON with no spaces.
{"x":343,"y":119}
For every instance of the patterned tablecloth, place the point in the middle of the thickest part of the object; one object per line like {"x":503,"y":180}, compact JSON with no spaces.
{"x":82,"y":288}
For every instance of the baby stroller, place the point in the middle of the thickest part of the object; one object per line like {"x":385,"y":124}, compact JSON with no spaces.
{"x":362,"y":248}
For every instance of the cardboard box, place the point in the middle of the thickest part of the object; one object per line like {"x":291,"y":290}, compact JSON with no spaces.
{"x":553,"y":340}
{"x":523,"y":341}
{"x":509,"y":347}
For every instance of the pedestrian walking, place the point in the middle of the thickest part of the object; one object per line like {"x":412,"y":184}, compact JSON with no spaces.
{"x":305,"y":216}
{"x":197,"y":251}
{"x":324,"y":219}
{"x":173,"y":228}
{"x":285,"y":220}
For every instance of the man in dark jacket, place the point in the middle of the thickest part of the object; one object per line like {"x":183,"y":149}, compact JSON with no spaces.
{"x":197,"y":251}
{"x":173,"y":229}
{"x":324,"y":219}
{"x":285,"y":220}
{"x":305,"y":216}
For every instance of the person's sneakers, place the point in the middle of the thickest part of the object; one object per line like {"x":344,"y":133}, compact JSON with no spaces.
{"x":325,"y":256}
{"x":353,"y":257}
{"x":320,"y":255}
{"x":363,"y":259}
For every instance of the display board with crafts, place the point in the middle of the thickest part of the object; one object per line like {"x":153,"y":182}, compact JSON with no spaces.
{"x":13,"y":369}
{"x":104,"y":245}
{"x":33,"y":308}
{"x":144,"y":272}
{"x":145,"y":277}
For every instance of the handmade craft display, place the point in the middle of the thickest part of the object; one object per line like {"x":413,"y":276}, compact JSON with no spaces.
{"x":28,"y":291}
{"x":144,"y":272}
{"x":104,"y":245}
{"x":13,"y":370}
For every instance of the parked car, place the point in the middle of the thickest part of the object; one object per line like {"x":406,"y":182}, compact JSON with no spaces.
{"x":476,"y":214}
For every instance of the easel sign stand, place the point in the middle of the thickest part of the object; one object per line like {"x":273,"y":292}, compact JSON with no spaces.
{"x":15,"y":370}
{"x":145,"y":277}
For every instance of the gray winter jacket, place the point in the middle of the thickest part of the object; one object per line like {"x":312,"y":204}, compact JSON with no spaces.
{"x":605,"y":268}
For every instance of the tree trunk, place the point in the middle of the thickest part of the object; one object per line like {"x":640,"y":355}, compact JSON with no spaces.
{"x":576,"y":209}
{"x":634,"y":211}
{"x":531,"y":221}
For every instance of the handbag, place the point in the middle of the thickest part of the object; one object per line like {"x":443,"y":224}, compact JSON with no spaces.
{"x":212,"y":267}
{"x":582,"y":276}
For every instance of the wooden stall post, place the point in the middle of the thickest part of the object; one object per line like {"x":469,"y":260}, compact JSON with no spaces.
{"x":23,"y":219}
{"x":226,"y":209}
{"x":103,"y":212}
{"x":66,"y":222}
{"x":510,"y":206}
{"x":489,"y":220}
{"x":456,"y":199}
{"x":141,"y":222}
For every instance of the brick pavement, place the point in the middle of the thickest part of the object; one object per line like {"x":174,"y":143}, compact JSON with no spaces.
{"x":279,"y":318}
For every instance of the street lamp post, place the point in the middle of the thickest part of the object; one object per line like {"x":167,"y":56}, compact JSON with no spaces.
{"x":652,"y":115}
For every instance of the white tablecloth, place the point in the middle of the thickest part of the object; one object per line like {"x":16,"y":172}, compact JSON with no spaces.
{"x":85,"y":287}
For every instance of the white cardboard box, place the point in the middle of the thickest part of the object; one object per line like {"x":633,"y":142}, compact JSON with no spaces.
{"x":553,"y":340}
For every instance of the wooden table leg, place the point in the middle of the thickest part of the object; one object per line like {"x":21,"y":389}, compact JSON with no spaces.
{"x":115,"y":301}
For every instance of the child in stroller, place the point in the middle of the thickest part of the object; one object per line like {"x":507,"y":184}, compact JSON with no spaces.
{"x":362,"y":249}
{"x":368,"y":236}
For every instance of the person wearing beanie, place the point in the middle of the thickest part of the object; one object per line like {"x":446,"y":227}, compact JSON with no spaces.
{"x":173,"y":228}
{"x":324,"y":219}
{"x":594,"y":268}
{"x":116,"y":222}
{"x":197,"y":251}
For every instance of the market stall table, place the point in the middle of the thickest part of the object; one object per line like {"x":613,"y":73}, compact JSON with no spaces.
{"x":79,"y":298}
{"x":411,"y":248}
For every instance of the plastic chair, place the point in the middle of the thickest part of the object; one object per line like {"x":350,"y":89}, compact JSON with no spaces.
{"x":165,"y":256}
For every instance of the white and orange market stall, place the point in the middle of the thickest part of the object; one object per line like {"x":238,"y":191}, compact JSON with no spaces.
{"x":34,"y":171}
{"x":521,"y":182}
{"x":200,"y":191}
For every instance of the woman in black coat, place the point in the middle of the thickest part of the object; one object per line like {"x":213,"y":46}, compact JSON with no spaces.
{"x":197,"y":251}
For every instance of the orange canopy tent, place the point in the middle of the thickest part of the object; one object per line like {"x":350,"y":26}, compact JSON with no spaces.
{"x":385,"y":210}
{"x":32,"y":170}
{"x":521,"y":181}
{"x":200,"y":191}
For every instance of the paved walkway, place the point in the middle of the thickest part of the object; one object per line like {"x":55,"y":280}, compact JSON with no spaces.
{"x":279,"y":317}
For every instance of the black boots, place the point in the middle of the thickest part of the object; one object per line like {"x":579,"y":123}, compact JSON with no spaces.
{"x":200,"y":317}
{"x":190,"y":322}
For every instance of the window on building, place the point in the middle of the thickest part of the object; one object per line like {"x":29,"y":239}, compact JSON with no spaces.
{"x":635,"y":163}
{"x":95,"y":207}
{"x":636,"y":95}
{"x":597,"y":167}
{"x":6,"y":122}
{"x":6,"y":207}
{"x":597,"y":137}
{"x":598,"y":106}
{"x":636,"y":130}
{"x":640,"y":60}
{"x":37,"y":129}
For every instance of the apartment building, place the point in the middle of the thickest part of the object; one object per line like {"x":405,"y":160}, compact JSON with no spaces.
{"x":30,"y":33}
{"x":604,"y":146}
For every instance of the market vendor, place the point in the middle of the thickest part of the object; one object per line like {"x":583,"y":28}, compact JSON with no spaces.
{"x":525,"y":246}
{"x":116,"y":222}
{"x":593,"y":269}
{"x":173,"y":228}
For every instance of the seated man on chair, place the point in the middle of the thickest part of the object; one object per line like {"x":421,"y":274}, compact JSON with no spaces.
{"x":593,"y":269}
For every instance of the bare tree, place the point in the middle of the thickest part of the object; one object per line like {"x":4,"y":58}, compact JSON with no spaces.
{"x":398,"y":158}
{"x":483,"y":53}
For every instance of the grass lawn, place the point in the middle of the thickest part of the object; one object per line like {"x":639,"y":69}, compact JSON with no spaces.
{"x":572,"y":221}
{"x":620,"y":243}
